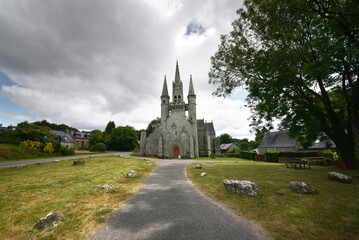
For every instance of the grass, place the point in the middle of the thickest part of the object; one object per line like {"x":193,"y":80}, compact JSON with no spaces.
{"x":333,"y":213}
{"x":12,"y":152}
{"x":27,"y":194}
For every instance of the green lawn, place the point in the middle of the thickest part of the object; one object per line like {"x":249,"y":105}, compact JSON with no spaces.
{"x":331,"y":214}
{"x":27,"y":194}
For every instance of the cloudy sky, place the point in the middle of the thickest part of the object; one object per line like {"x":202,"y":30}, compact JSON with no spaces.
{"x":86,"y":62}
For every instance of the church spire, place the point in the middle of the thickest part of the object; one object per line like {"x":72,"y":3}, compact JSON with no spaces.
{"x":164,"y":89}
{"x":177,"y":77}
{"x":191,"y":88}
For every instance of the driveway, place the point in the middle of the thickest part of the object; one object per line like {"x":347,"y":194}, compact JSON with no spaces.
{"x":168,"y":206}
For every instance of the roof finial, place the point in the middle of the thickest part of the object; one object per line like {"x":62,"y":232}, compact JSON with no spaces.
{"x":177,"y":76}
{"x":191,"y":88}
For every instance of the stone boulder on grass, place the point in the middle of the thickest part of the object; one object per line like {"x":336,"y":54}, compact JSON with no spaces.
{"x":339,"y":177}
{"x":50,"y":220}
{"x":302,"y":188}
{"x":131,"y":173}
{"x":244,"y":187}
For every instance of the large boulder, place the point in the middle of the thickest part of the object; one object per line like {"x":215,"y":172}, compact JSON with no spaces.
{"x":302,"y":188}
{"x":339,"y":177}
{"x":245,"y":187}
{"x":50,"y":220}
{"x":131,"y":173}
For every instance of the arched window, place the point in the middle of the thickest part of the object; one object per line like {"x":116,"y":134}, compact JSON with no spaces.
{"x":175,"y":99}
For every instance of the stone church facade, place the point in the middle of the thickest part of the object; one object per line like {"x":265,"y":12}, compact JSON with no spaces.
{"x":180,"y":134}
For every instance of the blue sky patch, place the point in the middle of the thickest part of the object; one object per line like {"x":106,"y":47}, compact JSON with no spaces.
{"x":194,"y":28}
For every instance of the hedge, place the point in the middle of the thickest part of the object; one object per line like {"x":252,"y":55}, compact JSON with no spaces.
{"x":234,"y":155}
{"x":272,"y":156}
{"x":248,"y":155}
{"x":100,"y":147}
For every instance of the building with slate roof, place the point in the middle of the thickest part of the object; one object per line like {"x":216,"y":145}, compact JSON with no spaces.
{"x":180,"y":134}
{"x":280,"y":141}
{"x":227,"y":146}
{"x":81,"y":139}
{"x":63,"y":138}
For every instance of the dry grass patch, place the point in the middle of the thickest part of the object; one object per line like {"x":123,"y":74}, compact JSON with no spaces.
{"x":27,"y":194}
{"x":331,"y":214}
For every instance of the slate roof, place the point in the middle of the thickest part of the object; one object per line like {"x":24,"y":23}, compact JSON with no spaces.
{"x":62,"y":136}
{"x":83,"y":135}
{"x":200,"y":124}
{"x":211,"y":128}
{"x":278,"y":139}
{"x":226,"y":146}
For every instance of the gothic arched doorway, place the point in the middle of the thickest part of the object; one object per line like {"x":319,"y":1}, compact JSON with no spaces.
{"x":176,"y":152}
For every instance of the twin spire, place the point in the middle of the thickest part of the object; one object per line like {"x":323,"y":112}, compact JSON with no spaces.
{"x":177,"y":81}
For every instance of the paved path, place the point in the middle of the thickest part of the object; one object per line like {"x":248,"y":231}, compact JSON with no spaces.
{"x":43,"y":160}
{"x":168,"y":206}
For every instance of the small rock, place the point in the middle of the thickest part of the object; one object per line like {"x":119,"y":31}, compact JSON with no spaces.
{"x":79,"y":162}
{"x":338,"y":177}
{"x":131,"y":173}
{"x":245,"y":187}
{"x":302,"y":188}
{"x":108,"y":187}
{"x":19,"y":166}
{"x":199,"y":166}
{"x":278,"y":193}
{"x":50,"y":220}
{"x":39,"y":163}
{"x":211,"y":162}
{"x":203,"y":174}
{"x":56,"y":160}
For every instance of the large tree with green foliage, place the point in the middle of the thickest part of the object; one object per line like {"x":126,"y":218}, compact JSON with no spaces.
{"x":123,"y":138}
{"x":110,"y":125}
{"x":299,"y":61}
{"x":152,"y":126}
{"x":225,"y":138}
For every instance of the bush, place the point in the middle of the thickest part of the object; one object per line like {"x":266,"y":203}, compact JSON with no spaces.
{"x":67,"y":151}
{"x":100,"y":147}
{"x":48,"y":148}
{"x":272,"y":156}
{"x":248,"y":155}
{"x":334,"y":155}
{"x":234,"y":155}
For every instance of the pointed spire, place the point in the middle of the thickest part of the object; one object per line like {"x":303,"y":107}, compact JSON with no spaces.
{"x":191,"y":88}
{"x":164,"y":89}
{"x":177,"y":76}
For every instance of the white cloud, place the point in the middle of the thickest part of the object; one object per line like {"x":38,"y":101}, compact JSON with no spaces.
{"x":87,"y":62}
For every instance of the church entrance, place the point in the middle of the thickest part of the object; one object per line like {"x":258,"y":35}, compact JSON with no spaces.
{"x":176,"y":152}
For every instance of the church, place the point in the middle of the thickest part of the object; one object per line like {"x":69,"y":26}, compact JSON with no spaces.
{"x":180,"y":134}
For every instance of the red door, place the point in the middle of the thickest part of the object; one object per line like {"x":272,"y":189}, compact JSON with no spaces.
{"x":176,"y":152}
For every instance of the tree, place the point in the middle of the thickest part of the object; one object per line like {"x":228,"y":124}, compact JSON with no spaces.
{"x":54,"y":126}
{"x":152,"y":126}
{"x":110,"y":125}
{"x":225,"y":138}
{"x":123,"y":138}
{"x":26,"y":131}
{"x":96,"y":137}
{"x":293,"y":56}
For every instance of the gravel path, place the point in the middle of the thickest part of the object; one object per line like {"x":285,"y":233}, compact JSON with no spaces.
{"x":168,"y":206}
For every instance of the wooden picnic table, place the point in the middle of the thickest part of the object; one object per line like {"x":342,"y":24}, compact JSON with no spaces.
{"x":298,"y":164}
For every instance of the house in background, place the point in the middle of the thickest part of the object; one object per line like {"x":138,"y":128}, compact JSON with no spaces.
{"x":228,"y":146}
{"x":81,"y":139}
{"x":281,"y":142}
{"x":63,"y":138}
{"x":2,"y":129}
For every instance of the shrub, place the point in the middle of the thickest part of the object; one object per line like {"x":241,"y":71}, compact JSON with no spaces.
{"x":235,"y":155}
{"x":272,"y":156}
{"x":100,"y":147}
{"x":57,"y":146}
{"x":230,"y":151}
{"x":48,"y":148}
{"x":33,"y":146}
{"x":248,"y":155}
{"x":67,"y":151}
{"x":334,"y":155}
